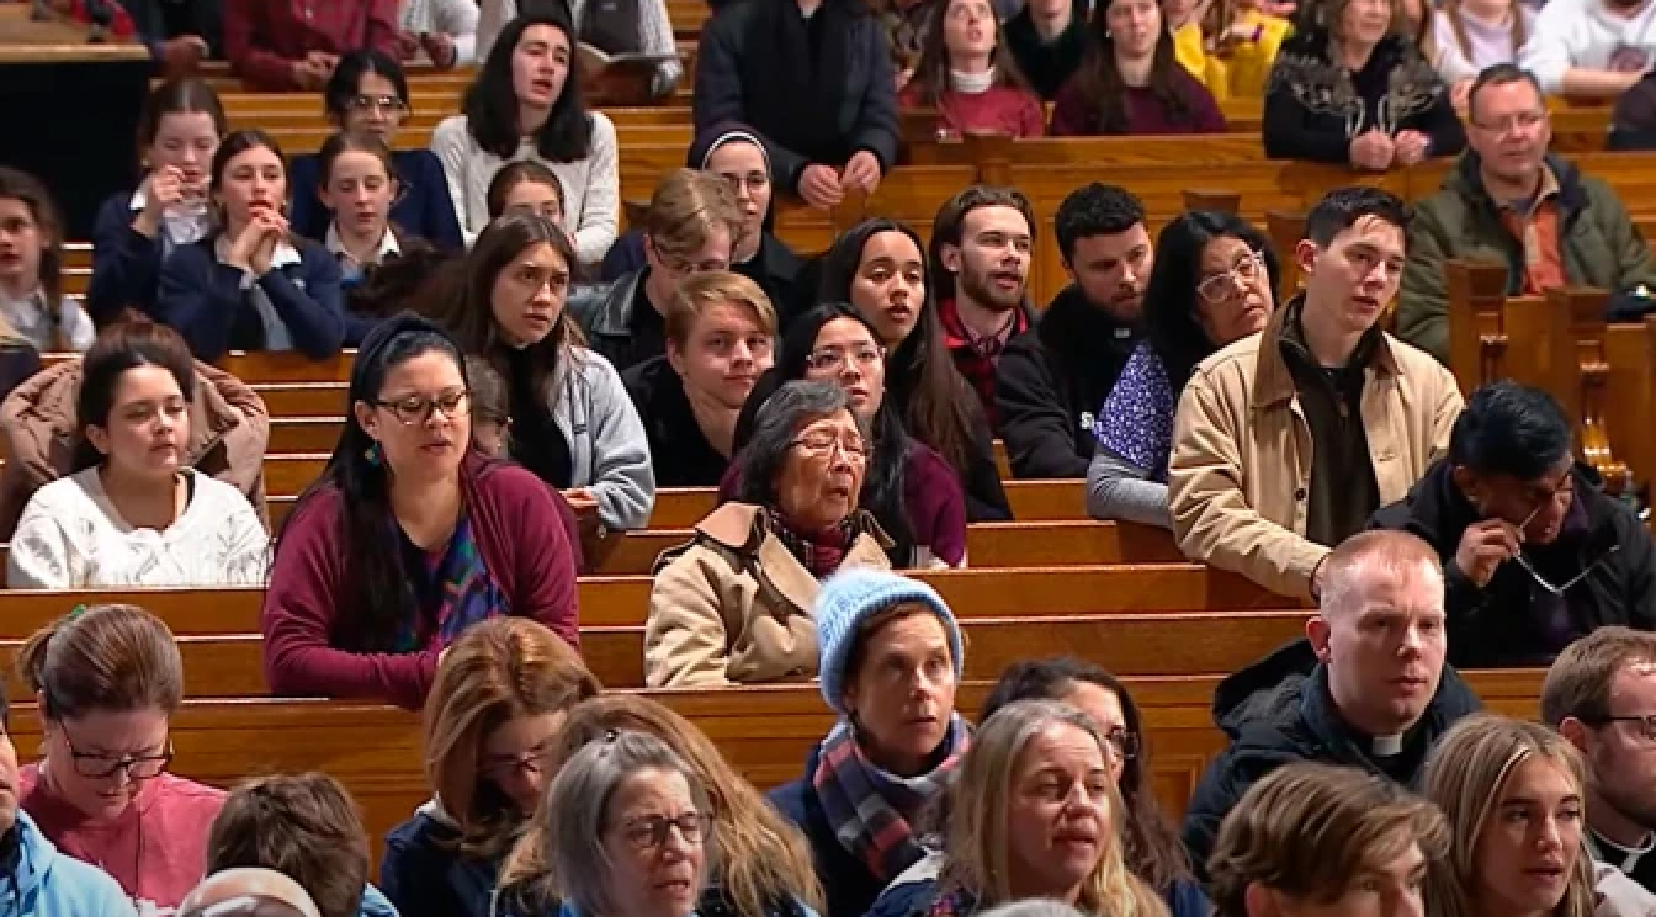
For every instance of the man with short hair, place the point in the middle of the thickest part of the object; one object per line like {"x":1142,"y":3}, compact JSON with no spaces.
{"x":982,"y":240}
{"x":1368,"y":688}
{"x":1594,"y":48}
{"x":1601,"y":694}
{"x":1510,"y":201}
{"x":1310,"y":839}
{"x":1534,"y":554}
{"x":1286,"y":441}
{"x":1052,"y":378}
{"x":307,"y":828}
{"x":39,"y":880}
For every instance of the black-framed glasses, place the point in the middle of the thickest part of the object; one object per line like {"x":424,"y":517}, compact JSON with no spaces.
{"x":100,"y":766}
{"x":1125,"y":742}
{"x":1542,"y":581}
{"x":416,"y":409}
{"x":650,"y":832}
{"x":1647,"y":722}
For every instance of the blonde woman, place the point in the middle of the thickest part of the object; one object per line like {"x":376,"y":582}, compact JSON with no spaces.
{"x":764,"y":867}
{"x":1035,"y":814}
{"x":499,"y":696}
{"x":1513,"y":794}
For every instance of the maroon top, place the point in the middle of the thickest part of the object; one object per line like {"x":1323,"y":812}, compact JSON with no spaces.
{"x":521,"y":535}
{"x":1076,"y":115}
{"x":998,"y":110}
{"x":262,"y":38}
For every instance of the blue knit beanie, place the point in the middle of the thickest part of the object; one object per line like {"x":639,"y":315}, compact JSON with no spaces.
{"x":848,"y":599}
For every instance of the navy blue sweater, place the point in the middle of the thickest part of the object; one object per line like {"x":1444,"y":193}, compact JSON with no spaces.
{"x":424,"y":878}
{"x":126,"y":264}
{"x":423,"y":206}
{"x":203,"y":301}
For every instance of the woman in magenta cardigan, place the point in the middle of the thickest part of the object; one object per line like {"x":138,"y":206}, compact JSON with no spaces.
{"x":1130,"y":82}
{"x":409,"y":537}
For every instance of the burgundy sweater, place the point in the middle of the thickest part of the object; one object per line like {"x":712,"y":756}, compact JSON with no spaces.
{"x":998,"y":110}
{"x":520,"y":533}
{"x":1076,"y":115}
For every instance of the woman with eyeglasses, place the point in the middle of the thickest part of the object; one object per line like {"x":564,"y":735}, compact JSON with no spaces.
{"x":764,"y":867}
{"x":1151,"y":847}
{"x":109,"y":679}
{"x":572,"y":422}
{"x":719,"y":328}
{"x":369,"y":92}
{"x":409,"y":537}
{"x":1235,"y":272}
{"x":500,"y":694}
{"x":909,"y":489}
{"x":733,"y":605}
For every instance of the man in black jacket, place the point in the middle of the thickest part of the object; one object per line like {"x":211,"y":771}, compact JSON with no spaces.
{"x":1534,"y":554}
{"x":1368,"y":689}
{"x":1052,"y":378}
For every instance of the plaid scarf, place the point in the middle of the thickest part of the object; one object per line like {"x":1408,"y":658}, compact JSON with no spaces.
{"x":819,"y":552}
{"x":870,"y":808}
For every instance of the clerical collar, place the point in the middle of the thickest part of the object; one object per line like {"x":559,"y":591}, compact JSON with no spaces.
{"x":1387,"y":746}
{"x":1612,"y":853}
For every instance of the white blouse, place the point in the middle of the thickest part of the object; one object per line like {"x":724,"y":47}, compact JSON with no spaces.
{"x":71,"y":537}
{"x":592,"y":186}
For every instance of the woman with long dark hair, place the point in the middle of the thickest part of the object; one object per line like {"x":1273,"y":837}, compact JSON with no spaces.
{"x":880,"y":268}
{"x":968,"y":74}
{"x":907,"y":486}
{"x":1130,"y":81}
{"x":32,"y":299}
{"x":409,"y":536}
{"x":1211,"y":284}
{"x":369,"y":92}
{"x":526,"y":103}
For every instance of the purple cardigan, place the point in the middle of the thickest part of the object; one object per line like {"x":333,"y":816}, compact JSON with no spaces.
{"x":1076,"y":115}
{"x":933,"y":501}
{"x":520,"y":532}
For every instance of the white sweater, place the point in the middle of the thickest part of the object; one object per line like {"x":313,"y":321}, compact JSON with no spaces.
{"x":457,"y":19}
{"x":1585,"y":35}
{"x":1488,"y":44}
{"x":71,"y":538}
{"x":592,"y":186}
{"x":655,"y":32}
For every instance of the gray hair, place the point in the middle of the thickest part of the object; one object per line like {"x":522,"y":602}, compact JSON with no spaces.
{"x":778,"y":421}
{"x":575,"y":809}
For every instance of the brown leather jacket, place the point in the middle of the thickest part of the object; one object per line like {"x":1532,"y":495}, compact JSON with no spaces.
{"x":229,"y":429}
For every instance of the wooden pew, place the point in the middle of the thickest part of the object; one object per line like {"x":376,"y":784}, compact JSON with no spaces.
{"x":623,"y":601}
{"x":765,"y":733}
{"x":1161,"y":643}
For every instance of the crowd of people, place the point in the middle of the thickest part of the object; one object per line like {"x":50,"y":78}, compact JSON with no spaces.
{"x":524,"y":376}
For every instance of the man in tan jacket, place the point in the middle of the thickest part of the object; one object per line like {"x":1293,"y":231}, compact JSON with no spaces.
{"x":1286,"y":441}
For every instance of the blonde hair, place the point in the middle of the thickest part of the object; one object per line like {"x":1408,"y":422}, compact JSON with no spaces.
{"x":976,"y":843}
{"x":704,"y":290}
{"x":1464,"y":776}
{"x":763,"y":856}
{"x":502,"y":668}
{"x":686,"y":209}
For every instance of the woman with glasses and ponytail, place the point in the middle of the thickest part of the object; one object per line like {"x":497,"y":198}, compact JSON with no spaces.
{"x":410,"y":536}
{"x":109,"y":679}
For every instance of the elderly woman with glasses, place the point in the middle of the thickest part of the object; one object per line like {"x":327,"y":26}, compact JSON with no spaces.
{"x":110,"y":679}
{"x":734,"y":604}
{"x":1235,"y":272}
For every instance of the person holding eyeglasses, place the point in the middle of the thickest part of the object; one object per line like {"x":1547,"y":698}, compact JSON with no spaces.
{"x":110,"y":679}
{"x":369,"y":92}
{"x":1151,"y":847}
{"x":494,"y":710}
{"x":1535,"y":553}
{"x":409,"y":537}
{"x":721,"y":331}
{"x":907,"y":486}
{"x":1601,"y":694}
{"x":1211,"y":284}
{"x":733,"y":605}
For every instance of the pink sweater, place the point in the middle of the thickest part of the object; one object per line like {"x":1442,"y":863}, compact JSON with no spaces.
{"x":156,"y":849}
{"x":520,"y":532}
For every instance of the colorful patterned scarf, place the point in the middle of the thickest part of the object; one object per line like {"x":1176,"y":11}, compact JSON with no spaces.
{"x":456,"y":587}
{"x":869,"y":808}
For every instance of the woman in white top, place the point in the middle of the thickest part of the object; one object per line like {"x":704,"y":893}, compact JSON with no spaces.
{"x":31,"y":268}
{"x":133,"y":513}
{"x":1470,"y":35}
{"x":526,"y":104}
{"x":447,"y":29}
{"x":651,"y":32}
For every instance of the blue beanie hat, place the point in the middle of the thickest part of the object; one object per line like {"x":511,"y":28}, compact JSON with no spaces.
{"x":848,"y":599}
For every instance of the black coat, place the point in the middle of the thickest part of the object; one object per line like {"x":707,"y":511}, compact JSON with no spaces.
{"x":1051,"y":380}
{"x":680,"y":453}
{"x":1493,"y":626}
{"x":1278,"y":711}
